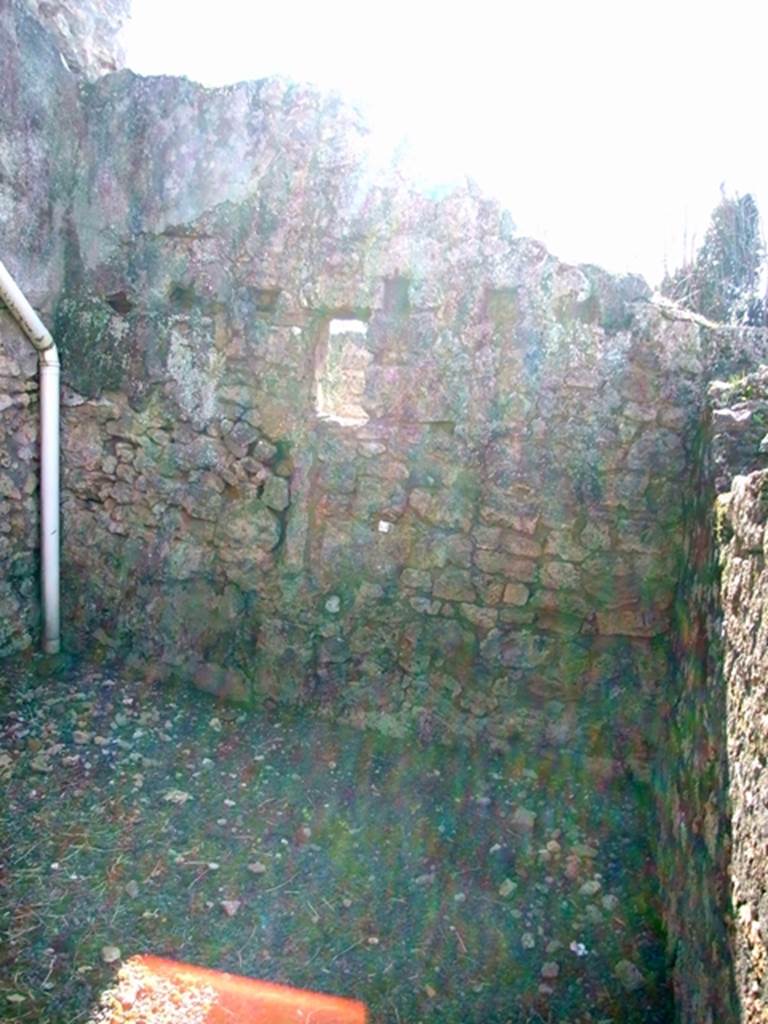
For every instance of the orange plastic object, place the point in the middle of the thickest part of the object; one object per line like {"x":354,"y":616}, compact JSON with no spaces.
{"x":231,"y":999}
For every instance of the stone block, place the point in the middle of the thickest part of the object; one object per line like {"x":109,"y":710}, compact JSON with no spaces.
{"x":454,"y":585}
{"x":557,"y":575}
{"x":442,"y":508}
{"x":632,"y":621}
{"x":658,"y":451}
{"x":502,"y":564}
{"x":516,"y":616}
{"x":516,"y":593}
{"x":416,"y":579}
{"x":521,"y":545}
{"x":483,"y":618}
{"x":276,"y":493}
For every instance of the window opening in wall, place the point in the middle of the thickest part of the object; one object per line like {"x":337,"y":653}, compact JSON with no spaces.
{"x":341,"y":371}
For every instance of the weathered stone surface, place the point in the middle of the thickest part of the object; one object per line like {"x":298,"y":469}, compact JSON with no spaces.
{"x":454,"y":585}
{"x":560,"y":575}
{"x":638,"y":621}
{"x":438,"y":509}
{"x":710,"y":780}
{"x":417,"y":579}
{"x":41,"y":127}
{"x":515,"y":593}
{"x":502,"y":564}
{"x":248,"y":525}
{"x":744,"y":589}
{"x":503,"y":536}
{"x":483,"y":618}
{"x":514,"y":464}
{"x":276,"y":493}
{"x":86,"y":32}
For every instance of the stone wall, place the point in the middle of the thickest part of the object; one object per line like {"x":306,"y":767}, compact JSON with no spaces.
{"x":493,"y":546}
{"x":87,"y":33}
{"x":742,"y":411}
{"x":710,"y":773}
{"x":40,"y":131}
{"x":488,"y":546}
{"x":691,"y":775}
{"x":329,"y":442}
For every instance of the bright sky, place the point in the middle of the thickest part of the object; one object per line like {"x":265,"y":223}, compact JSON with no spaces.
{"x":606,"y":128}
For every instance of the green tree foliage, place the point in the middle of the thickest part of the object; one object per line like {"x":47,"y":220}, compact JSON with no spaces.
{"x":722,"y":281}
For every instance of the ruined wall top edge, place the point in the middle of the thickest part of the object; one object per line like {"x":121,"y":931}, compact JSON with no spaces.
{"x":86,"y":32}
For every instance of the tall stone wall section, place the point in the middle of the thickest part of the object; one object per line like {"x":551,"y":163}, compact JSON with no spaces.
{"x":495,"y":546}
{"x":741,"y":417}
{"x":745,"y":590}
{"x":488,"y":546}
{"x":326,"y":441}
{"x":494,"y":551}
{"x":41,"y":124}
{"x":710,"y":775}
{"x":691,"y":775}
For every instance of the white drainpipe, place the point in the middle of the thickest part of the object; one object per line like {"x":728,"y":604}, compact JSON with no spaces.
{"x":48,"y":361}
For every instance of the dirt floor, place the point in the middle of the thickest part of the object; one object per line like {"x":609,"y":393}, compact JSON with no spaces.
{"x":435,"y":883}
